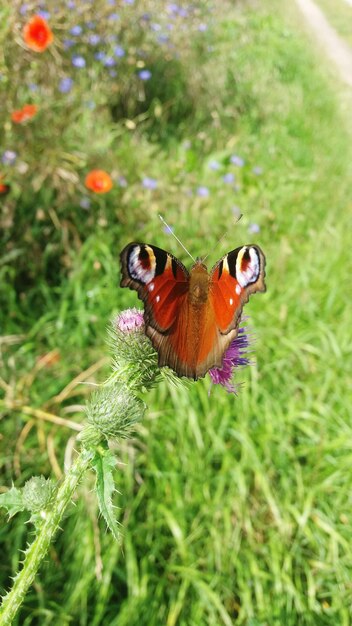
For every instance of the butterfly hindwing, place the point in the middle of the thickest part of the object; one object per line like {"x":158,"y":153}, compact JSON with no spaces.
{"x":233,"y":279}
{"x":160,"y":280}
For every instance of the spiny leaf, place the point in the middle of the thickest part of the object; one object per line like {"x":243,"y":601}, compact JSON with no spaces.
{"x":103,"y":463}
{"x":12,"y":500}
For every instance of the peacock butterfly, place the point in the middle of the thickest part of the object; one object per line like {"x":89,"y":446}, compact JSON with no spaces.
{"x":192,"y":317}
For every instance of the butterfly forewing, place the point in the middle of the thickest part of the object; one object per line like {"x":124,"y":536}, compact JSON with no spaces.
{"x":233,"y":279}
{"x":160,"y":279}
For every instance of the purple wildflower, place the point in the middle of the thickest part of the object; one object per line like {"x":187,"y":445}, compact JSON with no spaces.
{"x":76,"y":30}
{"x":237,"y":160}
{"x":84,"y":203}
{"x":65,"y":84}
{"x":149,"y":183}
{"x":144,"y":74}
{"x":257,"y":170}
{"x":214,"y":165}
{"x":100,"y":56}
{"x":24,"y":8}
{"x":233,"y":357}
{"x":113,"y":17}
{"x":94,"y":39}
{"x":119,"y":51}
{"x":33,"y":86}
{"x":78,"y":61}
{"x":9,"y":157}
{"x":129,"y":321}
{"x":253,"y":228}
{"x":168,"y":230}
{"x":228,"y":178}
{"x":44,"y":14}
{"x":203,"y":28}
{"x":122,"y":182}
{"x":203,"y":191}
{"x":68,"y":43}
{"x":109,"y":62}
{"x":70,"y":4}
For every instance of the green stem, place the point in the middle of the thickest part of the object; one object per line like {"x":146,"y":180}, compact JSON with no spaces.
{"x":39,"y":548}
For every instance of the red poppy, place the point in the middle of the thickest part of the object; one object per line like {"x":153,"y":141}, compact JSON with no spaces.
{"x":37,"y":34}
{"x":24,"y":114}
{"x":4,"y":189}
{"x":98,"y":181}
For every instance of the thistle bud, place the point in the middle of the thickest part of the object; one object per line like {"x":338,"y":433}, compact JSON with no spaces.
{"x":38,"y":493}
{"x":113,"y":411}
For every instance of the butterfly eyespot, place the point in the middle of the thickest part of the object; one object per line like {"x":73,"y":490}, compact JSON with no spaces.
{"x":141,"y":264}
{"x":247,"y":267}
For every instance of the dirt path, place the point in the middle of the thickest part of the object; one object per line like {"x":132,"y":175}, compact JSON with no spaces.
{"x":334,"y":47}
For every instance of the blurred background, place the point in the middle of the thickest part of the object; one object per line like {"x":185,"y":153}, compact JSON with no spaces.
{"x":235,"y":509}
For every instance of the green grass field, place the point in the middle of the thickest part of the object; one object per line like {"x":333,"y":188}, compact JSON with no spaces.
{"x":235,"y":509}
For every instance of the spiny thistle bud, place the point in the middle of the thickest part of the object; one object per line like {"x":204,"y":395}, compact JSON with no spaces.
{"x":135,"y":362}
{"x":113,"y":411}
{"x":38,"y":493}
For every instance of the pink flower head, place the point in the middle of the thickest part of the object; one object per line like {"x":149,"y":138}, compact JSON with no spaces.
{"x":233,"y":357}
{"x":129,"y":321}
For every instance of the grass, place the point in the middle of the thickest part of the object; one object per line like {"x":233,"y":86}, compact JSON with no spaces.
{"x":234,"y":510}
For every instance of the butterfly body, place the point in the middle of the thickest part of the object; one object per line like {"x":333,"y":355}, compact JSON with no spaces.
{"x":192,"y":317}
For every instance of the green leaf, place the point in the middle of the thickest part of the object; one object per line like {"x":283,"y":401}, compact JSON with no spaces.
{"x":12,"y":500}
{"x":103,"y":464}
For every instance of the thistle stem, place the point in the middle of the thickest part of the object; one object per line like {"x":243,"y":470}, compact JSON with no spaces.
{"x":37,"y":551}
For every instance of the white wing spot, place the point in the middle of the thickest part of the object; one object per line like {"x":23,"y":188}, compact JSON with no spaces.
{"x":151,"y":287}
{"x":251,"y":273}
{"x":157,"y":298}
{"x":238,"y":290}
{"x":231,"y":301}
{"x":136,"y":268}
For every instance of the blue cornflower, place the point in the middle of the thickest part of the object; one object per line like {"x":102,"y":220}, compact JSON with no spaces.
{"x":76,"y":30}
{"x":68,"y":43}
{"x":84,"y":203}
{"x":44,"y":14}
{"x":203,"y":191}
{"x":9,"y":157}
{"x":254,"y":228}
{"x":65,"y":84}
{"x":144,"y":74}
{"x":119,"y":51}
{"x":237,"y":160}
{"x":228,"y":178}
{"x":94,"y":39}
{"x":149,"y":183}
{"x":78,"y":61}
{"x":100,"y":56}
{"x":109,"y":62}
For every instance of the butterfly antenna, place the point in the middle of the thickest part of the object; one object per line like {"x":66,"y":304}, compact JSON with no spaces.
{"x":171,"y":232}
{"x":222,"y":237}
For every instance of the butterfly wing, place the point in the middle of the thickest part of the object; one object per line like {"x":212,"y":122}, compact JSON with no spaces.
{"x":162,"y":283}
{"x":233,"y":279}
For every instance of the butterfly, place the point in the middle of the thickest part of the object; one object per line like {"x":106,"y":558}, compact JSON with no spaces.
{"x":192,"y":317}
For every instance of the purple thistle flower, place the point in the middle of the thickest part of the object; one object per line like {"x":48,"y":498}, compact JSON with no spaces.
{"x":78,"y":61}
{"x":65,"y":84}
{"x":144,"y":74}
{"x":129,"y":321}
{"x":233,"y":357}
{"x":149,"y":183}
